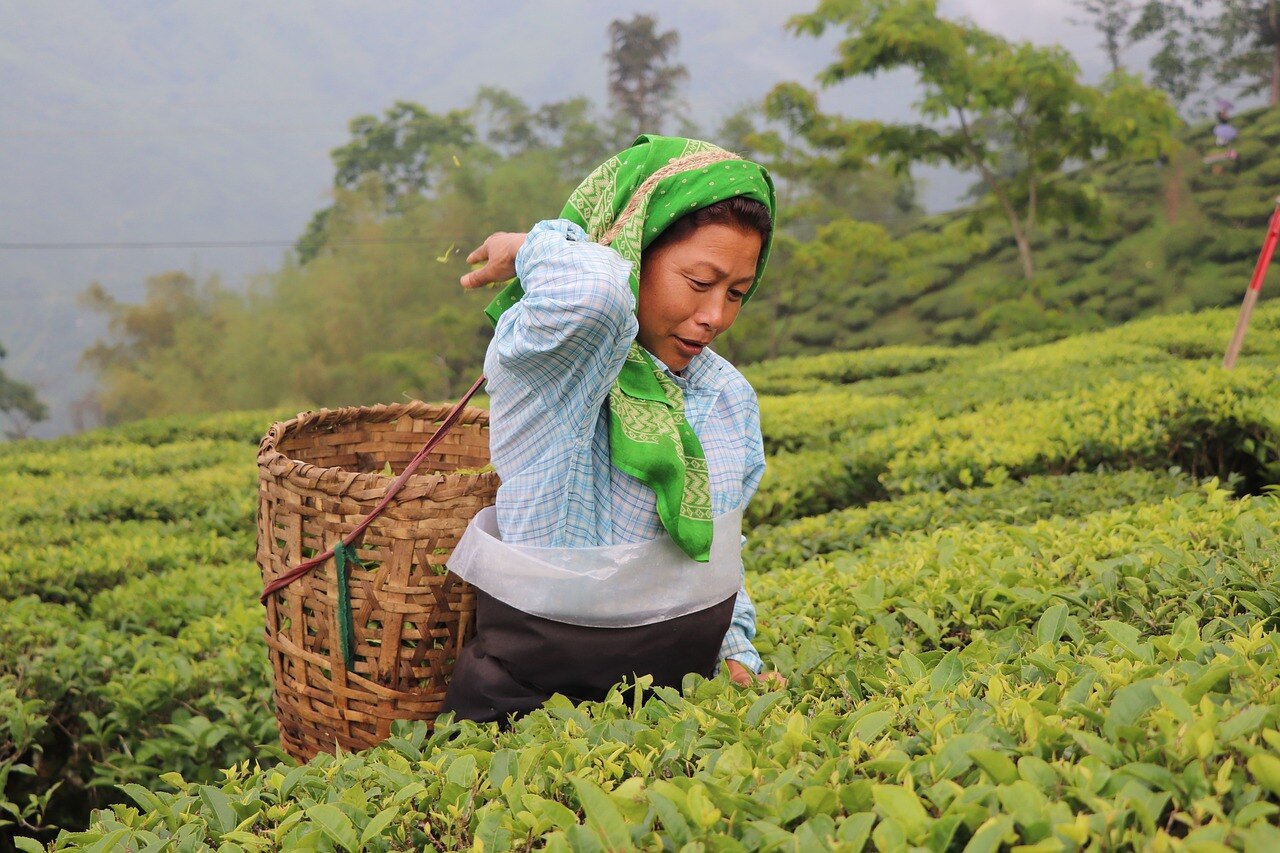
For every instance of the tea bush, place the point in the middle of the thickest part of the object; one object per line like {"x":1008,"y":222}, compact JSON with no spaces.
{"x":1098,"y":684}
{"x":1025,"y":596}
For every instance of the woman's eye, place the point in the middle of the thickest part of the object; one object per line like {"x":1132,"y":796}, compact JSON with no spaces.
{"x":699,"y":284}
{"x":737,"y":295}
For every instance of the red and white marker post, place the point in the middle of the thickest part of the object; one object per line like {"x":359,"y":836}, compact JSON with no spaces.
{"x":1255,"y":288}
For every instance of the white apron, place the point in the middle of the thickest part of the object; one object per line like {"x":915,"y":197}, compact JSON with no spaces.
{"x":611,"y":586}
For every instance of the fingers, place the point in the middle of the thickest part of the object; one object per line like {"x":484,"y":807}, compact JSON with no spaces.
{"x":744,"y":677}
{"x":478,"y":278}
{"x":498,"y":254}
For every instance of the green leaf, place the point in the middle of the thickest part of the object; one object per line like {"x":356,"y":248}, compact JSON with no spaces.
{"x":462,"y":771}
{"x":948,"y":673}
{"x":997,"y":765}
{"x":377,"y":824}
{"x":855,"y":830}
{"x":1244,"y":723}
{"x":927,"y":624}
{"x":335,"y":824}
{"x":28,"y":845}
{"x":552,"y":812}
{"x":911,"y":666}
{"x":1157,"y":777}
{"x":1266,"y":770}
{"x":1053,"y":622}
{"x":602,"y":814}
{"x":995,"y":831}
{"x":224,"y":817}
{"x":869,"y":727}
{"x":761,"y":706}
{"x":902,"y":806}
{"x":1128,"y":705}
{"x":1128,"y":638}
{"x":1172,"y":701}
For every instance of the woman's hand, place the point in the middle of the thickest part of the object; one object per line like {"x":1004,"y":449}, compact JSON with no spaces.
{"x":744,"y":677}
{"x":498,"y":254}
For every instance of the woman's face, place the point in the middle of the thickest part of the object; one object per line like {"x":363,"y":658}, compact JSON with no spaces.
{"x":691,"y":290}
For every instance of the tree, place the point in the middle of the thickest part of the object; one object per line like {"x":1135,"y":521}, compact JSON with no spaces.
{"x":1231,"y":42}
{"x":1248,"y":35}
{"x":1113,"y":19}
{"x":414,"y":155}
{"x":19,"y":403}
{"x":1014,"y":113}
{"x":406,"y":149}
{"x":643,"y":77}
{"x":163,"y":354}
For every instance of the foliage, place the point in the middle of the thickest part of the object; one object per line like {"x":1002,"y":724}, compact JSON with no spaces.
{"x":1038,"y":589}
{"x":1103,"y":682}
{"x":376,"y":316}
{"x":20,"y":405}
{"x":1231,"y":42}
{"x":643,"y":76}
{"x":1017,"y":114}
{"x":1171,"y":237}
{"x":1113,"y":20}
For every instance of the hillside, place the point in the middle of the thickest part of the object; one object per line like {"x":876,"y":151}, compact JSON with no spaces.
{"x":1172,"y":237}
{"x":1022,"y":596}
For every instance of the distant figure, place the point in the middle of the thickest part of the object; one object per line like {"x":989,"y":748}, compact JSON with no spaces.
{"x":1223,"y":134}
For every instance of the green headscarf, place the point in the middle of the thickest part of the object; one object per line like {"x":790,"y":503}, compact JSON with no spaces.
{"x":626,"y":203}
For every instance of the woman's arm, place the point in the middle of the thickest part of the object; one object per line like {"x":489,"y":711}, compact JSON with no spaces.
{"x":572,"y":329}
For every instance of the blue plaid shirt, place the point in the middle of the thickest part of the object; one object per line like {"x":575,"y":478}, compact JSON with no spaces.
{"x":553,"y":358}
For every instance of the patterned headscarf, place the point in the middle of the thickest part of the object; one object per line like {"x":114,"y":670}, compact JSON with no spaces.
{"x":626,"y":203}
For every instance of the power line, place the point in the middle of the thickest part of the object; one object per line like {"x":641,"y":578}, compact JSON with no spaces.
{"x":206,"y":244}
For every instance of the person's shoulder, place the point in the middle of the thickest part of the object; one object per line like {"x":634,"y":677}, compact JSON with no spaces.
{"x":553,"y":238}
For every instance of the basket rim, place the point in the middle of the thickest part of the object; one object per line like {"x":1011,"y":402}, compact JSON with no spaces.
{"x":282,"y":466}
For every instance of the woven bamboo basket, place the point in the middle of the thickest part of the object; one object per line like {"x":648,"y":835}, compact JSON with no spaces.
{"x":320,"y":475}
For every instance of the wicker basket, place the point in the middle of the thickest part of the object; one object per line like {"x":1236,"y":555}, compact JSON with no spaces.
{"x":320,"y":475}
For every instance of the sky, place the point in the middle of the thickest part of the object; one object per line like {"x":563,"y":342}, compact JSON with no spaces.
{"x":189,"y":121}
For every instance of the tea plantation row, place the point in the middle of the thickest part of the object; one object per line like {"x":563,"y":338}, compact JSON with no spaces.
{"x":1012,"y":608}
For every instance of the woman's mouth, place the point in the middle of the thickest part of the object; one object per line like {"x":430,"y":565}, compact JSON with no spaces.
{"x":688,"y":347}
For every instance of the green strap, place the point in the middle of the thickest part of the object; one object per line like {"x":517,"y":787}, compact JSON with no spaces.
{"x":346,"y":631}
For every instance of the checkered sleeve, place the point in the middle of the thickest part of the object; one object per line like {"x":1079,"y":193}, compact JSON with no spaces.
{"x":737,"y":643}
{"x":572,"y":329}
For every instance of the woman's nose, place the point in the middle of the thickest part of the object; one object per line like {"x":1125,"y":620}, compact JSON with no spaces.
{"x":711,"y":311}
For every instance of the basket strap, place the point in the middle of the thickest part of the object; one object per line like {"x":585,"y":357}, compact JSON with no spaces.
{"x":342,"y":554}
{"x":450,"y":420}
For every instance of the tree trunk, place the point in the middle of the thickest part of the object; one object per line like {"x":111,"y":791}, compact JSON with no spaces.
{"x":1021,"y":235}
{"x":1024,"y":250}
{"x":1274,"y":100}
{"x":993,"y":183}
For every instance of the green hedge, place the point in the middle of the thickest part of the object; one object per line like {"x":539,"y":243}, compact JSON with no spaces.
{"x":1104,"y":683}
{"x":987,"y":570}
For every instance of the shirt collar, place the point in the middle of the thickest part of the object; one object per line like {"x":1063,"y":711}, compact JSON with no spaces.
{"x":702,"y":374}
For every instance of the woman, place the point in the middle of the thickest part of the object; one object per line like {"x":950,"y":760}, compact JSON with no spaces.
{"x":627,"y":449}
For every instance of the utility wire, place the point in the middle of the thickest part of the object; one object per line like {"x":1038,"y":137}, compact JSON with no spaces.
{"x":206,"y":244}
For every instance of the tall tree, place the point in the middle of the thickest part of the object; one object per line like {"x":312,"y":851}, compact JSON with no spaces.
{"x":1228,"y":42}
{"x":1184,"y":56}
{"x":1249,"y":34}
{"x":1113,"y":19}
{"x":20,"y":405}
{"x":644,"y":78}
{"x":1016,"y":114}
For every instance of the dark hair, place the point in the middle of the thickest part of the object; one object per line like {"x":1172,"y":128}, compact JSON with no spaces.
{"x":740,"y":212}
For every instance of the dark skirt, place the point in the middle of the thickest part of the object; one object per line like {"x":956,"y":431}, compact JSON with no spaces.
{"x":517,"y":661}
